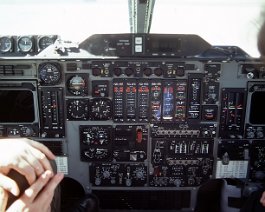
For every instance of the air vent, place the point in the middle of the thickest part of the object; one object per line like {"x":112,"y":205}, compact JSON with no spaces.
{"x":10,"y":70}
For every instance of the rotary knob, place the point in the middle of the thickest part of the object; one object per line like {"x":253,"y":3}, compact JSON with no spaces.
{"x":106,"y":174}
{"x":139,"y":174}
{"x":158,"y":71}
{"x":147,"y":71}
{"x":128,"y":71}
{"x":117,"y":71}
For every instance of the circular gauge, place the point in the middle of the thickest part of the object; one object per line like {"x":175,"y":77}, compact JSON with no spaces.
{"x":6,"y":44}
{"x":103,"y":137}
{"x":78,"y":109}
{"x":50,"y":73}
{"x":25,"y":44}
{"x":45,"y":41}
{"x":101,"y":109}
{"x":77,"y":85}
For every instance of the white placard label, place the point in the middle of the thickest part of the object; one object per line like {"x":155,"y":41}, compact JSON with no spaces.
{"x":62,"y":164}
{"x":235,"y":169}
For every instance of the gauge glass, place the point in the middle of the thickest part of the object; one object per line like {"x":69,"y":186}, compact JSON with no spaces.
{"x":45,"y":41}
{"x":25,"y":44}
{"x":78,"y":109}
{"x":5,"y":44}
{"x":77,"y":85}
{"x":49,"y":73}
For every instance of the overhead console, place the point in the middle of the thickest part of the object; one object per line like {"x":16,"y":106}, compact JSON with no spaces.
{"x":140,"y":114}
{"x":145,"y":45}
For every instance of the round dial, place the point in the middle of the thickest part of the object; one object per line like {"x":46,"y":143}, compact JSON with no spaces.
{"x":77,"y":85}
{"x":78,"y":109}
{"x":25,"y":44}
{"x":45,"y":41}
{"x":50,"y":73}
{"x":101,"y":109}
{"x":6,"y":44}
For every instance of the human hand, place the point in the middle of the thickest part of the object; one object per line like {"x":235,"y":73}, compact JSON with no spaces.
{"x":38,"y":197}
{"x":3,"y":199}
{"x":28,"y":157}
{"x":262,"y":199}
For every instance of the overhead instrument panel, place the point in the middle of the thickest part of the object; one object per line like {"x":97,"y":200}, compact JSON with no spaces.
{"x":137,"y":113}
{"x":21,"y":45}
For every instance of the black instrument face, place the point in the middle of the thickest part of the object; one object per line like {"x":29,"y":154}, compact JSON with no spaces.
{"x":45,"y":41}
{"x":101,"y":109}
{"x":50,"y":73}
{"x":77,"y":109}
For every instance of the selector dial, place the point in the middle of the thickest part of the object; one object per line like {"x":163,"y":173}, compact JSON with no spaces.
{"x":78,"y":110}
{"x":50,"y":73}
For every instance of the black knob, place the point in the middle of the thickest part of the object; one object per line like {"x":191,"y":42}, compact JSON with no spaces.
{"x":117,"y":71}
{"x":180,"y":72}
{"x":96,"y":71}
{"x":147,"y":71}
{"x":128,"y":71}
{"x":158,"y":71}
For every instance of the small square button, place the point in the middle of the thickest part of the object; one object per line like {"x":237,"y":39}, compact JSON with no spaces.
{"x":138,"y":48}
{"x":138,"y":40}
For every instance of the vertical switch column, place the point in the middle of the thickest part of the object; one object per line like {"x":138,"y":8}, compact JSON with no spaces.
{"x":130,"y":97}
{"x":143,"y":100}
{"x":118,"y":105}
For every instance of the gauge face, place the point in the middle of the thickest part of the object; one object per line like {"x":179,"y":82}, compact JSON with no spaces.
{"x":6,"y":44}
{"x":45,"y":41}
{"x":25,"y":44}
{"x":78,"y":110}
{"x":77,"y":85}
{"x":101,"y":109}
{"x":49,"y":73}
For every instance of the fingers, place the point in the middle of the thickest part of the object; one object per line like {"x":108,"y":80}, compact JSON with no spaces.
{"x":39,"y":195}
{"x":32,"y":164}
{"x":42,"y":163}
{"x":31,"y":193}
{"x":9,"y":185}
{"x":48,"y":192}
{"x":54,"y":182}
{"x":3,"y":199}
{"x":44,"y":196}
{"x":43,"y":149}
{"x":262,"y":199}
{"x":24,"y":168}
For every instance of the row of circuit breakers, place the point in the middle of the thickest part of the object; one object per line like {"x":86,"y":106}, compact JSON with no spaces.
{"x":158,"y":121}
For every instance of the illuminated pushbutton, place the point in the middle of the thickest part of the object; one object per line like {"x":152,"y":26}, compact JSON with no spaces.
{"x":138,"y":40}
{"x":139,"y":135}
{"x":138,"y":48}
